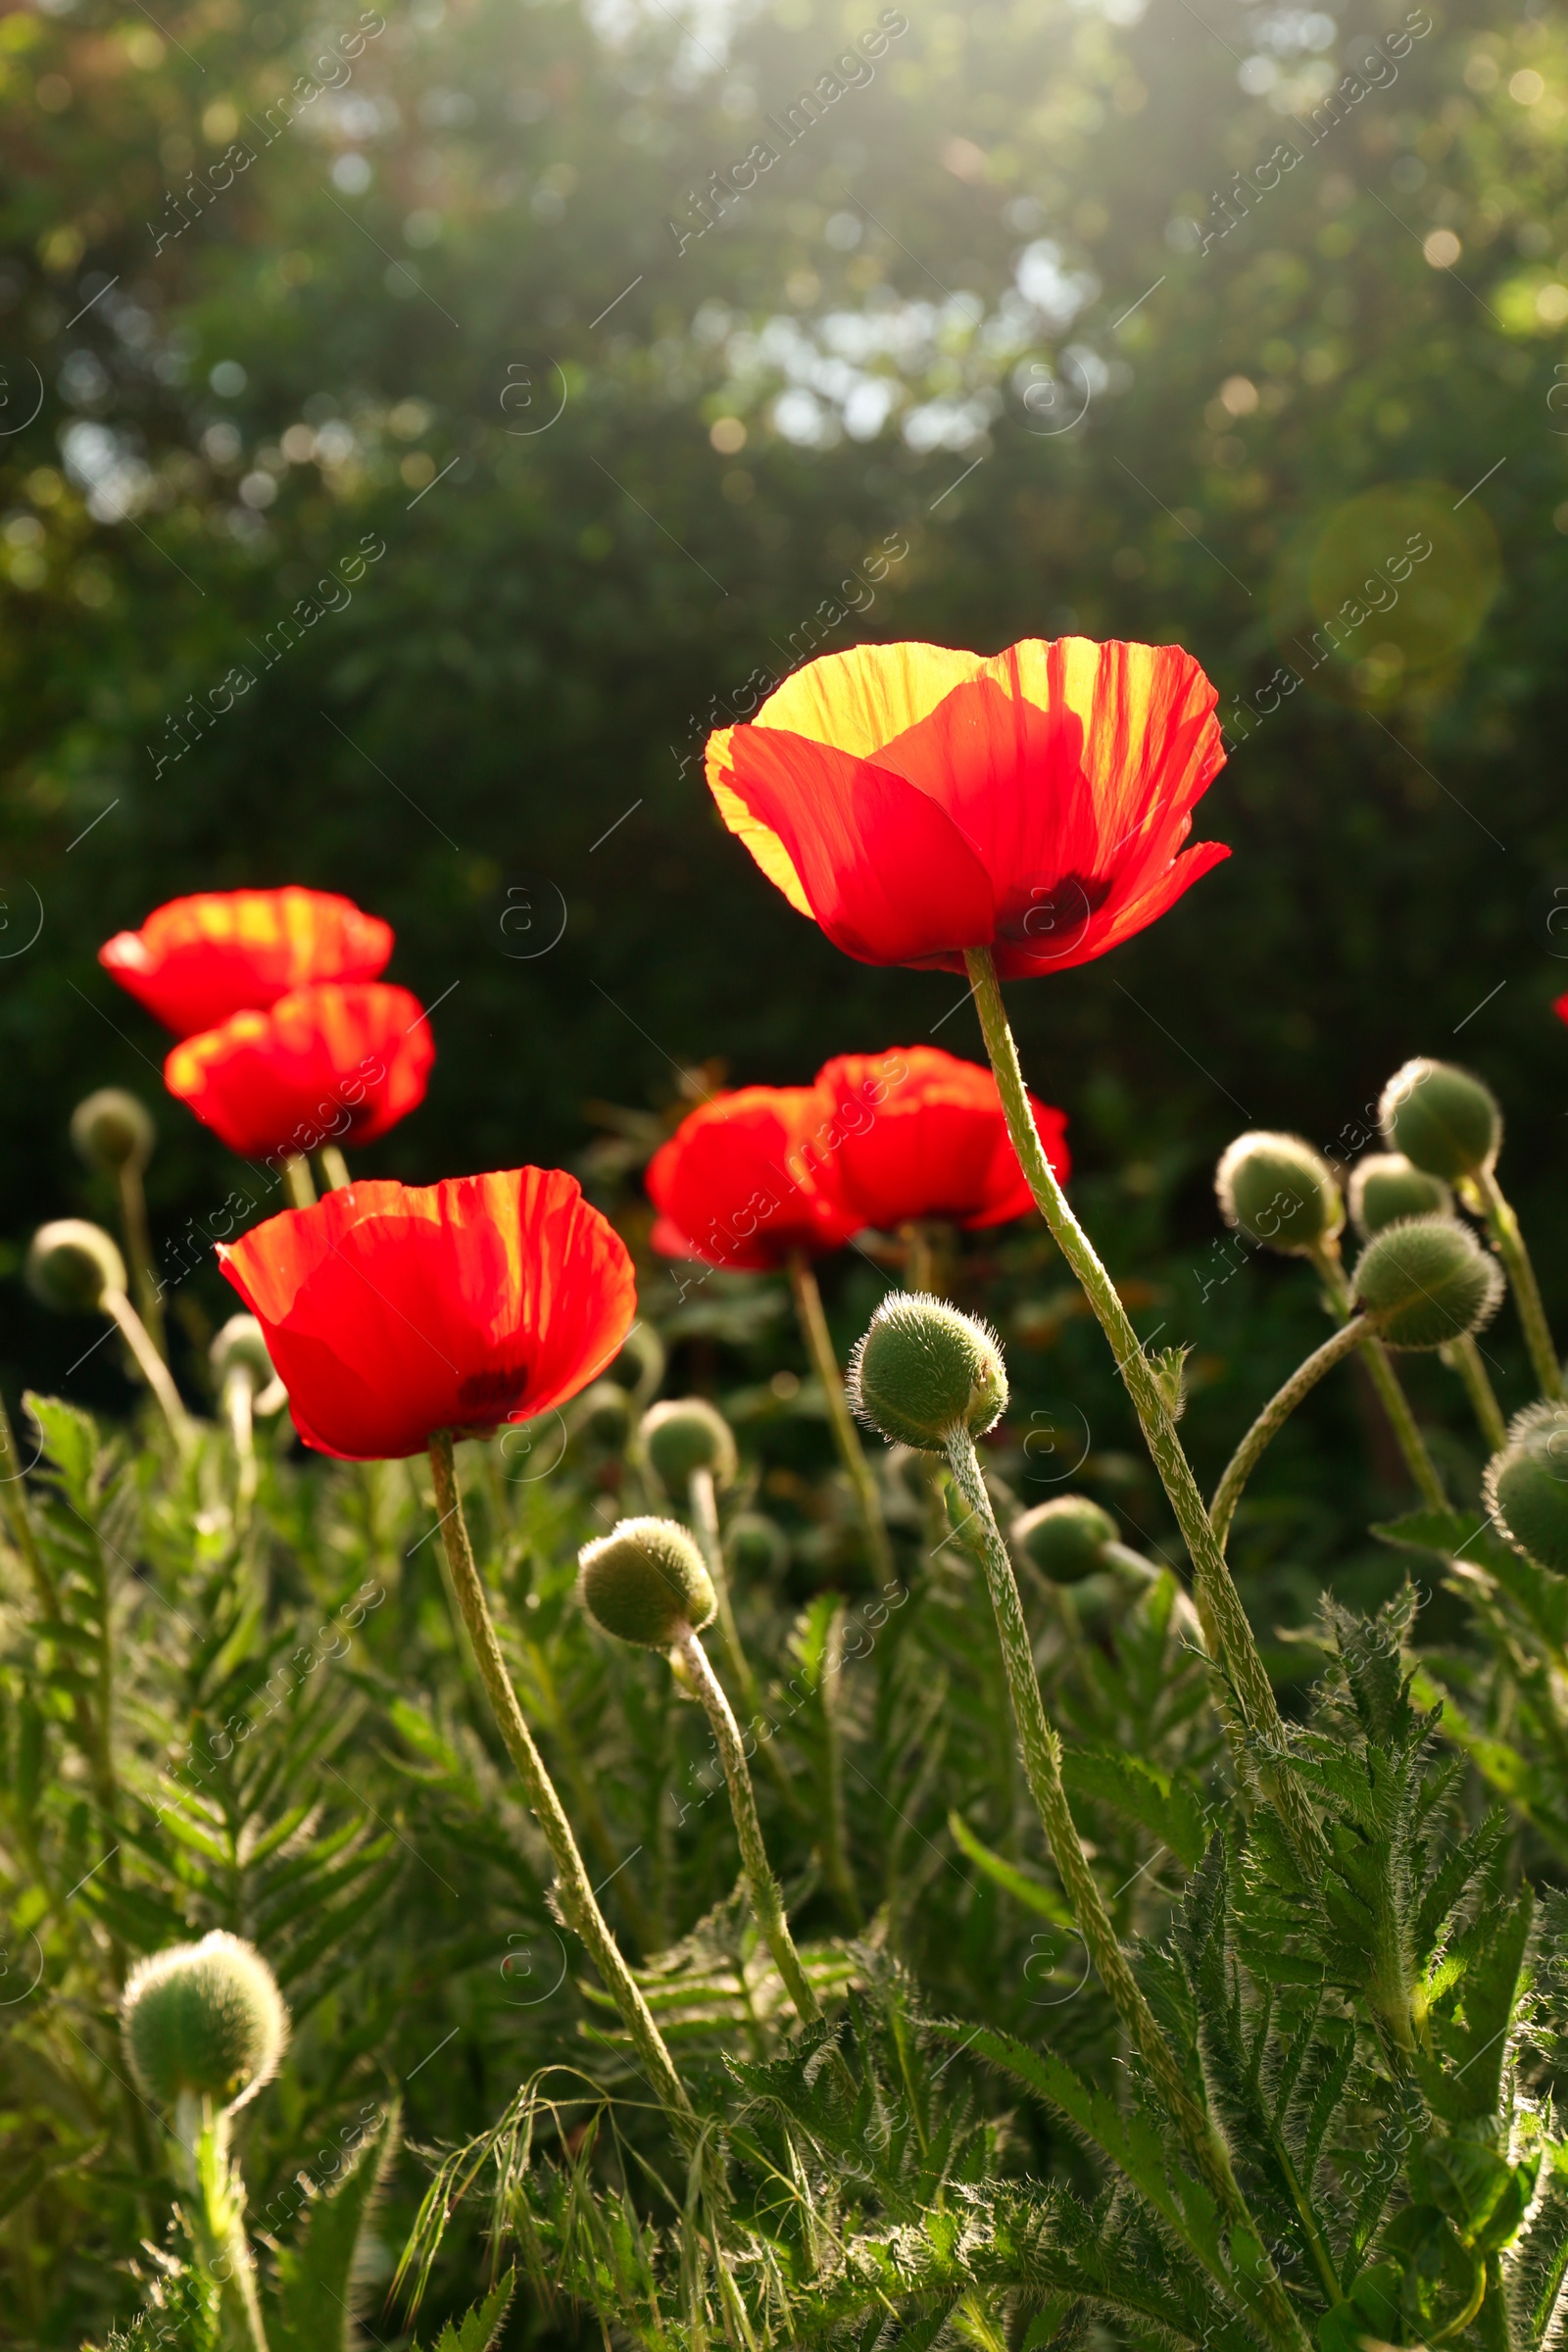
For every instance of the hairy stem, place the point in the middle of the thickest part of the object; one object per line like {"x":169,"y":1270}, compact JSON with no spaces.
{"x":847,"y":1438}
{"x":573,"y":1888}
{"x":1272,"y":1419}
{"x":767,"y":1900}
{"x":334,"y":1167}
{"x":239,"y":1397}
{"x":215,"y":2214}
{"x":151,"y":1366}
{"x":919,"y":1256}
{"x":703,"y":1501}
{"x":1041,"y":1747}
{"x":139,"y":1254}
{"x":833,"y":1843}
{"x":1504,"y":1227}
{"x":1386,"y":1382}
{"x":1464,"y":1357}
{"x":1226,"y":1630}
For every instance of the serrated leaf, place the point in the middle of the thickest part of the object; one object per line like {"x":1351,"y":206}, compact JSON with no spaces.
{"x":1165,"y":1803}
{"x":316,"y":2276}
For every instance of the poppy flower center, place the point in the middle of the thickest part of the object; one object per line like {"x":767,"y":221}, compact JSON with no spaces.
{"x":494,"y":1391}
{"x":1056,"y":915}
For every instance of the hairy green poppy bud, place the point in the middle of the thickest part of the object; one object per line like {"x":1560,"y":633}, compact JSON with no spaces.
{"x":241,"y":1348}
{"x":1279,"y":1192}
{"x":757,"y":1546}
{"x":603,"y":1414}
{"x":1427,"y":1281}
{"x":1443,"y":1118}
{"x":71,"y":1264}
{"x":924,"y":1371}
{"x":1386,"y":1187}
{"x":682,"y":1435}
{"x":645,"y":1581}
{"x":1527,"y":1484}
{"x":112,"y":1130}
{"x":205,"y":2018}
{"x":1065,"y":1538}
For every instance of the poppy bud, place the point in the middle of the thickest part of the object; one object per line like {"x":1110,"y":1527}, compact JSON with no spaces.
{"x":1527,"y":1484}
{"x":1279,"y":1192}
{"x":112,"y":1130}
{"x":203,"y":2018}
{"x":1065,"y":1538}
{"x":1385,"y":1188}
{"x":72,"y":1264}
{"x":240,"y":1346}
{"x":923,"y":1371}
{"x":603,"y":1414}
{"x":645,"y":1582}
{"x":757,"y":1546}
{"x":1427,"y":1281}
{"x":686,"y":1434}
{"x":1444,"y":1119}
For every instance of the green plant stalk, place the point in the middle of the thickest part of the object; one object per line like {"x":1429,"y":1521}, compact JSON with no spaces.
{"x":139,"y":1254}
{"x":1386,"y":1382}
{"x":585,"y":1796}
{"x":239,"y":1396}
{"x":334,"y":1167}
{"x":151,"y":1366}
{"x":216,"y":2219}
{"x":297,"y":1181}
{"x":703,"y":1504}
{"x":1464,"y":1357}
{"x":1041,"y":1747}
{"x":573,"y":1888}
{"x":919,"y":1257}
{"x":1244,"y":1686}
{"x":852,"y":1453}
{"x":833,"y":1845}
{"x":1272,"y":1419}
{"x":1504,"y":1227}
{"x":768,"y":1899}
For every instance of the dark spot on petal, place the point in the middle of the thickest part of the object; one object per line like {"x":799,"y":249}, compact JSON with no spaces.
{"x":494,"y":1393}
{"x":1051,"y":919}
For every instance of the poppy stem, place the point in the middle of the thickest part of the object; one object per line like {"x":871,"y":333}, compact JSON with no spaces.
{"x":1245,"y":1687}
{"x":1040,"y":1747}
{"x":149,"y":1364}
{"x":334,"y":1167}
{"x":297,"y":1181}
{"x":574,"y":1888}
{"x":820,"y":1346}
{"x":919,"y":1256}
{"x":767,"y":1895}
{"x":1504,"y":1227}
{"x":1464,"y":1357}
{"x":1272,"y":1419}
{"x":139,"y":1253}
{"x":1386,"y":1382}
{"x":239,"y":1403}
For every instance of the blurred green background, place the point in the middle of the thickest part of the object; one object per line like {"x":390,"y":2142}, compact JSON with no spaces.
{"x":1165,"y":322}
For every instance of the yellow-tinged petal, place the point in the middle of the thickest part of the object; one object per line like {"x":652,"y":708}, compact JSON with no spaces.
{"x":762,"y":842}
{"x":859,"y":700}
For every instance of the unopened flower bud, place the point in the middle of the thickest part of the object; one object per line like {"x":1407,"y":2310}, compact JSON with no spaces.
{"x":1065,"y":1538}
{"x":112,"y":1130}
{"x":203,"y":2018}
{"x":1386,"y":1187}
{"x":645,"y":1582}
{"x":924,"y":1371}
{"x":758,"y":1546}
{"x":1427,"y":1281}
{"x":603,"y":1414}
{"x":1527,"y":1484}
{"x":71,"y":1264}
{"x":1279,"y":1192}
{"x":241,"y":1348}
{"x":1443,"y":1118}
{"x":686,"y":1434}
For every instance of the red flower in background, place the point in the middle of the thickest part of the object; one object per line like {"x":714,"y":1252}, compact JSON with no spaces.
{"x":917,"y":1133}
{"x":196,"y":961}
{"x":329,"y":1064}
{"x":392,"y":1312}
{"x":746,"y":1179}
{"x":916,"y":801}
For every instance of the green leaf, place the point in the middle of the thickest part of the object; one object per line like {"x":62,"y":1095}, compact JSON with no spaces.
{"x":477,"y":2331}
{"x":316,"y":2277}
{"x":1033,"y":1894}
{"x":1167,"y":1803}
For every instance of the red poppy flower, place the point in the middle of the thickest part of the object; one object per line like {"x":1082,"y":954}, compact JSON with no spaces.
{"x":916,"y":1133}
{"x":196,"y":961}
{"x":746,"y":1178}
{"x":323,"y":1065}
{"x":392,"y":1311}
{"x":917,"y":802}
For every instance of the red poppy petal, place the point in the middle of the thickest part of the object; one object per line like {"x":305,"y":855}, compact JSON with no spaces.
{"x":889,"y":877}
